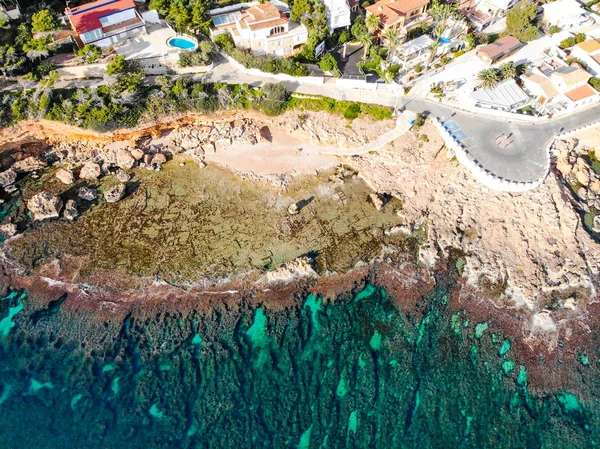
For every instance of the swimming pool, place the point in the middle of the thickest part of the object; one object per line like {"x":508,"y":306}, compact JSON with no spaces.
{"x":444,"y":40}
{"x":182,"y":42}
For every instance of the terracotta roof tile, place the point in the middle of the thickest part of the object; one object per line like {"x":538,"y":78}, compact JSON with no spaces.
{"x":589,"y":46}
{"x":389,"y":11}
{"x":581,"y":92}
{"x":87,"y":16}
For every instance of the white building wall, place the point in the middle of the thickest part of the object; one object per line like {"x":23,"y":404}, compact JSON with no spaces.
{"x":593,"y":66}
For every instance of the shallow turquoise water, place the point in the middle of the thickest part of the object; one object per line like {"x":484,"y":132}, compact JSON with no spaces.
{"x":356,"y":373}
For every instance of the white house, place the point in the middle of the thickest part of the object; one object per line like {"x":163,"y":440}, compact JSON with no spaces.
{"x":588,"y":52}
{"x":338,"y":14}
{"x":556,"y":87}
{"x":506,"y":96}
{"x":105,"y":23}
{"x":261,"y":28}
{"x":566,"y":14}
{"x":10,"y":8}
{"x":483,"y":13}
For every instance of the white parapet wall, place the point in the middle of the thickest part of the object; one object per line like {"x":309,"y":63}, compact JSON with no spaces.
{"x":480,"y":173}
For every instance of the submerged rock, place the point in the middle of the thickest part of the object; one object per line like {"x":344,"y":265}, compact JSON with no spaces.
{"x":115,"y":193}
{"x":44,"y":205}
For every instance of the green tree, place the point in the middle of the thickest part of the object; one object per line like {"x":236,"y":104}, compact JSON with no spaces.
{"x":520,"y":21}
{"x":299,"y":9}
{"x":359,"y":28}
{"x":179,"y":14}
{"x":43,"y":20}
{"x":274,"y":98}
{"x":329,"y":64}
{"x":507,"y":70}
{"x":470,"y":42}
{"x":391,"y":40}
{"x":443,"y":14}
{"x":117,"y":65}
{"x":372,"y":22}
{"x":488,"y":78}
{"x":162,"y":6}
{"x":90,"y":53}
{"x":200,"y":18}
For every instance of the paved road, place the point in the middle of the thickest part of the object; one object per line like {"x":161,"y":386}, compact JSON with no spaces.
{"x":525,"y":160}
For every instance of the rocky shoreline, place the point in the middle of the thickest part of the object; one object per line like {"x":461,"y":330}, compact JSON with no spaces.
{"x":526,"y":263}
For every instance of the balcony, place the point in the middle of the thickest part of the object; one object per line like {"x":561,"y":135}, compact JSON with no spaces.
{"x":122,"y":27}
{"x":416,"y":20}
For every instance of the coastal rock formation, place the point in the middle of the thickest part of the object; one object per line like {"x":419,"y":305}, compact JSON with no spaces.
{"x":114,"y":193}
{"x":7,"y":177}
{"x":28,"y":164}
{"x":87,"y":193}
{"x":70,"y":211}
{"x":8,"y":230}
{"x":90,"y":171}
{"x":44,"y":205}
{"x":125,"y":159}
{"x":65,"y":176}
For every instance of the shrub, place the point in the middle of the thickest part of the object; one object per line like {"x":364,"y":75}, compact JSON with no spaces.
{"x":595,"y":83}
{"x":116,"y":66}
{"x":90,"y":53}
{"x":419,"y":68}
{"x":553,"y":30}
{"x":42,"y":21}
{"x":571,"y":61}
{"x":329,"y":64}
{"x":459,"y":53}
{"x":420,"y":119}
{"x":274,"y":98}
{"x":352,"y":111}
{"x":202,"y":56}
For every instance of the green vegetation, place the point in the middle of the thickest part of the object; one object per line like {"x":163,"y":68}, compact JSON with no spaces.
{"x":44,"y":20}
{"x":274,"y":99}
{"x":89,"y":53}
{"x":520,"y":21}
{"x":490,"y":77}
{"x":203,"y":55}
{"x":595,"y":83}
{"x":420,"y":120}
{"x":126,"y":102}
{"x":444,"y":15}
{"x":571,"y":41}
{"x":185,"y":14}
{"x":313,"y":15}
{"x":338,"y":107}
{"x":571,"y":61}
{"x":265,"y":64}
{"x":553,"y":30}
{"x":329,"y":64}
{"x":116,"y":66}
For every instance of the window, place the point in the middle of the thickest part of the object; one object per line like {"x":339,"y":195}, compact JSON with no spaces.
{"x":91,"y":35}
{"x":276,"y":30}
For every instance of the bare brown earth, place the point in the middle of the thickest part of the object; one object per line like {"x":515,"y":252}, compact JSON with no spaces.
{"x":528,"y":264}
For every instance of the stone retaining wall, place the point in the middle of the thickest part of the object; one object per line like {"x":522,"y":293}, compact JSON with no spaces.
{"x":480,"y":173}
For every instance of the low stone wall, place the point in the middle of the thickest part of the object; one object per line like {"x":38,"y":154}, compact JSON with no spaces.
{"x":480,"y":173}
{"x":576,"y":130}
{"x":317,"y":80}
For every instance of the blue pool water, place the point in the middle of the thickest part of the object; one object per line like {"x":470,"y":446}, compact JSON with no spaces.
{"x":444,"y":40}
{"x":182,"y":42}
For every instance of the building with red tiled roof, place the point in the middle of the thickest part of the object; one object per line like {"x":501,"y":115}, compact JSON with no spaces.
{"x":556,"y":86}
{"x":105,"y":22}
{"x":260,"y":27}
{"x":400,"y":15}
{"x":588,"y":52}
{"x":499,"y":49}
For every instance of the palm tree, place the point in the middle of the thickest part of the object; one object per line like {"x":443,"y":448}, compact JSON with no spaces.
{"x":391,"y":40}
{"x":488,"y":78}
{"x":507,"y":71}
{"x":372,"y":22}
{"x":365,"y":40}
{"x":442,"y":13}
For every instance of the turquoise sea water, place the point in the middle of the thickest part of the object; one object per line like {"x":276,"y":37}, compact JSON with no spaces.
{"x":355,"y":373}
